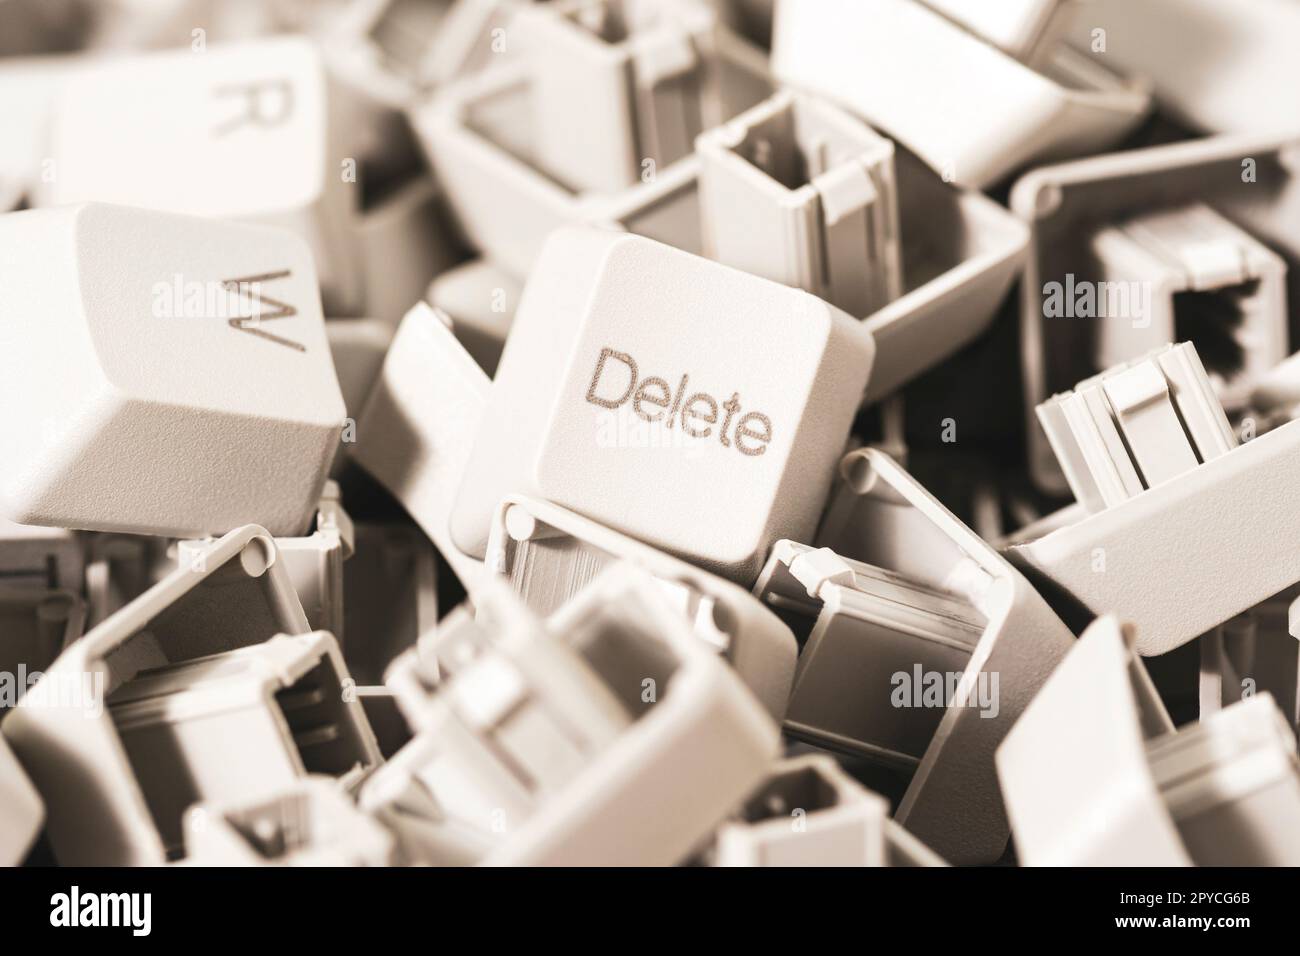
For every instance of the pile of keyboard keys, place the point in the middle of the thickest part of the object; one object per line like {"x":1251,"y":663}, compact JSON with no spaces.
{"x":649,"y":432}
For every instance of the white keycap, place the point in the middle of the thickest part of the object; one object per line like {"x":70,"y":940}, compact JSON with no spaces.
{"x":970,"y":111}
{"x":1136,"y":426}
{"x":314,"y":562}
{"x":682,"y":402}
{"x":418,"y":456}
{"x":175,"y":373}
{"x":238,"y":132}
{"x":21,"y":810}
{"x":480,"y":298}
{"x":1247,"y":80}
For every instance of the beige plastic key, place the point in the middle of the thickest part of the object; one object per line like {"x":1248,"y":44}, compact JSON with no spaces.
{"x":1228,"y":521}
{"x":283,"y":700}
{"x":808,"y":812}
{"x":420,"y":457}
{"x":1231,"y":784}
{"x":484,"y":138}
{"x":1226,"y":515}
{"x":242,"y":131}
{"x":880,"y":633}
{"x":36,"y":625}
{"x":674,"y":399}
{"x":176,"y":370}
{"x":1079,"y":792}
{"x":480,"y":298}
{"x":797,"y":190}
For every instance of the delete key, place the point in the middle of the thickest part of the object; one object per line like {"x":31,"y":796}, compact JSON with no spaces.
{"x":688,"y":404}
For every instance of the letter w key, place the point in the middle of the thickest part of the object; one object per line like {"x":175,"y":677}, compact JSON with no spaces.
{"x":250,"y":323}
